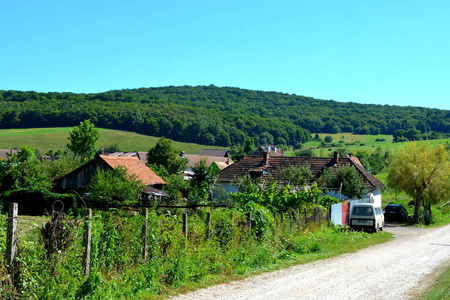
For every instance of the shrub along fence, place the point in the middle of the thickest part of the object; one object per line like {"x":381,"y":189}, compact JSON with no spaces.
{"x":80,"y":257}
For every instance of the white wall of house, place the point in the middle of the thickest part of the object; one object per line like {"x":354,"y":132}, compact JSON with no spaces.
{"x":372,"y":196}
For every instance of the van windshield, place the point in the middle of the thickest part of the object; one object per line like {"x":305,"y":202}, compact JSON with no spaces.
{"x":363,"y":211}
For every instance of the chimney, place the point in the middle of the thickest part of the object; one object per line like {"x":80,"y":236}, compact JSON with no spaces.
{"x":266,"y":158}
{"x":336,"y":157}
{"x":103,"y":149}
{"x":228,"y":160}
{"x":182,"y":153}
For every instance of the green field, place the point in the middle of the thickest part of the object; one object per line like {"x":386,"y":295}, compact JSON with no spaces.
{"x":357,"y":142}
{"x":45,"y":139}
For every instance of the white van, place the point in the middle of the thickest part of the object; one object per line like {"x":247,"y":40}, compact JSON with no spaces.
{"x":366,"y":216}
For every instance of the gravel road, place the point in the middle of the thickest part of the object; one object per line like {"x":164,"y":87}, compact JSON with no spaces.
{"x":394,"y":270}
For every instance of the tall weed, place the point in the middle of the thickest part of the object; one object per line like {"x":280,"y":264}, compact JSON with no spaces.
{"x":118,"y":268}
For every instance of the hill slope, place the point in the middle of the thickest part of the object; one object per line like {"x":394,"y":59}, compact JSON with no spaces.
{"x":46,"y":139}
{"x":212,"y":115}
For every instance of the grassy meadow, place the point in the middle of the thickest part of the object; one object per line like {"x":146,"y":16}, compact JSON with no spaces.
{"x":45,"y":139}
{"x":358,"y":142}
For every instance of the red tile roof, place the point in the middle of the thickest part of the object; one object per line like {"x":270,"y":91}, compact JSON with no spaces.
{"x":134,"y":167}
{"x":272,"y":170}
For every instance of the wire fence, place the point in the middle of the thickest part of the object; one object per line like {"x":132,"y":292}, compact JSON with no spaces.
{"x":112,"y":243}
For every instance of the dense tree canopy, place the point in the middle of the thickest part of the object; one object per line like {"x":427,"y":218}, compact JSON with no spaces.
{"x":213,"y":115}
{"x":423,"y":173}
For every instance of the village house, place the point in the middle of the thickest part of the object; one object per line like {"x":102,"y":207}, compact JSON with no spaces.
{"x":217,"y":163}
{"x":267,"y":164}
{"x":82,"y":176}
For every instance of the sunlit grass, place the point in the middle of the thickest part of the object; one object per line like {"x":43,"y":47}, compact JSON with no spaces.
{"x":440,"y":289}
{"x":45,"y":139}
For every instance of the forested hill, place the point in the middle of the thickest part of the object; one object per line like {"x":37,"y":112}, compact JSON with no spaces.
{"x":212,"y":115}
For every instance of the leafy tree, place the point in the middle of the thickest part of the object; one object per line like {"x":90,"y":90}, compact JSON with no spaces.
{"x":328,"y":139}
{"x":26,"y":154}
{"x":22,"y":180}
{"x":83,"y":140}
{"x":23,"y":171}
{"x":116,"y":187}
{"x":297,"y":177}
{"x":374,"y":162}
{"x":177,"y":187}
{"x":413,"y":135}
{"x":203,"y":180}
{"x":112,"y":148}
{"x":265,"y":138}
{"x":55,"y":169}
{"x":164,"y":159}
{"x":348,"y":177}
{"x":423,"y":173}
{"x":305,"y":153}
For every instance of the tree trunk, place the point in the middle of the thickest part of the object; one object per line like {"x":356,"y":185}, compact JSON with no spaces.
{"x":417,"y":206}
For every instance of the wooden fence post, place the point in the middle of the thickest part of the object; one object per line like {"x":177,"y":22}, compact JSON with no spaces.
{"x":145,"y":234}
{"x":291,"y":221}
{"x":249,"y":221}
{"x":306,"y":215}
{"x":185,"y":225}
{"x":87,"y":242}
{"x":208,"y":225}
{"x":12,"y":236}
{"x":282,"y":217}
{"x":317,"y":215}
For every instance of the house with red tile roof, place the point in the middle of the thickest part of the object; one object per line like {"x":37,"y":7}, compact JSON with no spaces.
{"x":81,"y":177}
{"x":266,"y":167}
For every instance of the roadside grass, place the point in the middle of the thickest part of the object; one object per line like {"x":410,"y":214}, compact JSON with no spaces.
{"x":188,"y":265}
{"x":286,"y":250}
{"x":440,"y":289}
{"x":46,"y":139}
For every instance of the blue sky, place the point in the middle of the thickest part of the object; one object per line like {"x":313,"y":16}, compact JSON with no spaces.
{"x":380,"y":52}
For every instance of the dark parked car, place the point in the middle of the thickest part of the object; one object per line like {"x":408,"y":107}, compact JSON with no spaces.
{"x":395,"y":212}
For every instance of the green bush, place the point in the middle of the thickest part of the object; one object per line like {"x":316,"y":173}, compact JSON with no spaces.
{"x":118,"y":270}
